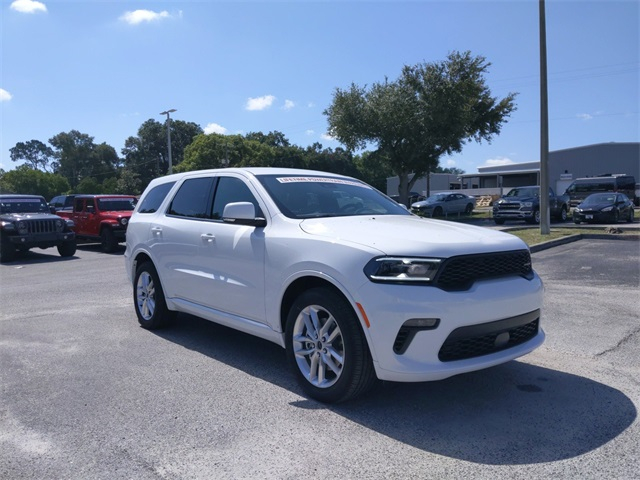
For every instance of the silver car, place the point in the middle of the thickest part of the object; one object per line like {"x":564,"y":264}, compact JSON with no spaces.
{"x":445,"y":203}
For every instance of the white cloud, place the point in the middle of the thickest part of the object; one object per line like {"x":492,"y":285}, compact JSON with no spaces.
{"x":4,"y":95}
{"x":327,"y":137}
{"x":215,"y":128}
{"x":28,"y":6}
{"x":584,"y":116}
{"x":309,"y":132}
{"x":260,"y":103}
{"x":451,"y":162}
{"x":139,"y":16}
{"x":288,"y":105}
{"x":496,"y":162}
{"x":311,"y":104}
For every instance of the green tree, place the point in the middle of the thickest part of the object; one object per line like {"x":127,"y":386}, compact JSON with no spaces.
{"x":374,"y":169}
{"x":146,"y":154}
{"x":88,"y":185}
{"x":431,"y":110}
{"x":35,"y":153}
{"x":75,"y":155}
{"x":26,"y":180}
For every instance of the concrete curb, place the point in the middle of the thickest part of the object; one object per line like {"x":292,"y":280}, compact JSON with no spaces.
{"x":581,"y":236}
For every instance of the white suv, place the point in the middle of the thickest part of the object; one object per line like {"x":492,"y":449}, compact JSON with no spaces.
{"x":349,"y":282}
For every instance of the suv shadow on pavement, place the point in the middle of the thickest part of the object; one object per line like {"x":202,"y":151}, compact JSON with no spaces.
{"x":512,"y":414}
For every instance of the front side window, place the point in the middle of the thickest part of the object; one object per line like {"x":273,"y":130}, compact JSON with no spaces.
{"x":193,"y":198}
{"x":232,"y":190}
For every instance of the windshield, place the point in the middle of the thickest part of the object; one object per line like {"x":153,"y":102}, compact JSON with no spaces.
{"x":436,"y":198}
{"x":315,"y":197}
{"x":117,"y":204}
{"x":522,"y":192}
{"x":23,"y":205}
{"x":591,"y":187}
{"x":599,"y":198}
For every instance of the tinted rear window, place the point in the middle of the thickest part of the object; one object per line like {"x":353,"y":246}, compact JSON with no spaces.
{"x":154,"y":198}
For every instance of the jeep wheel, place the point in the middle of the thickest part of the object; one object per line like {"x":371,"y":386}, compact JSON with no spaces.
{"x":326,"y":347}
{"x":7,"y":251}
{"x":108,"y":240}
{"x":67,"y":249}
{"x":148,"y":298}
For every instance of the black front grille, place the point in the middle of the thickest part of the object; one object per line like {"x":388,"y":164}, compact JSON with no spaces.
{"x":483,"y":339}
{"x":41,"y":226}
{"x":509,"y":206}
{"x":459,"y":273}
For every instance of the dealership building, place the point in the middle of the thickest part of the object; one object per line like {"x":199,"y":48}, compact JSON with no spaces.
{"x":564,"y":166}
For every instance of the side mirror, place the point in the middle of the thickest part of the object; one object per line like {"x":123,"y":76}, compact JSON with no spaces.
{"x":242,"y":213}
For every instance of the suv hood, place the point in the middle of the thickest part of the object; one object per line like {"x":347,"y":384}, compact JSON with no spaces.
{"x":411,"y":235}
{"x":117,"y":213}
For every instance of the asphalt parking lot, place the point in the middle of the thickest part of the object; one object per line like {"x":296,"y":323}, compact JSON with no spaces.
{"x":88,"y":394}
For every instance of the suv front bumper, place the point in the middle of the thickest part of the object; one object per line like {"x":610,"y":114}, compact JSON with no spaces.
{"x":42,"y":240}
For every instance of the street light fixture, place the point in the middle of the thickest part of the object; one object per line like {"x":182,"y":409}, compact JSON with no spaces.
{"x":167,"y":113}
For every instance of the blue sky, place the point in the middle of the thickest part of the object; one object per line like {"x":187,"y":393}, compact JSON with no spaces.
{"x":105,"y":67}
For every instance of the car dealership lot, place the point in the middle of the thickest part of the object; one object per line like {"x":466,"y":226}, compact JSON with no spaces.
{"x":87,"y":393}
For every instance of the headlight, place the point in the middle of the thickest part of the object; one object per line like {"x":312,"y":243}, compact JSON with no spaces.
{"x":124,"y":221}
{"x":400,"y":269}
{"x":578,"y":210}
{"x":527,"y":204}
{"x":59,"y":225}
{"x":9,"y":226}
{"x":23,"y":228}
{"x":607,"y":209}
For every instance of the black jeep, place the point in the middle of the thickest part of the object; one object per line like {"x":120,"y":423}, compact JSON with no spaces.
{"x":26,"y":222}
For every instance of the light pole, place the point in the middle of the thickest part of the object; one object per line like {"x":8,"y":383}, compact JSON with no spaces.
{"x":167,"y":113}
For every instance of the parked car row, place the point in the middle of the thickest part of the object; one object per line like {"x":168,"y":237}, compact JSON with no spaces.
{"x":26,"y":222}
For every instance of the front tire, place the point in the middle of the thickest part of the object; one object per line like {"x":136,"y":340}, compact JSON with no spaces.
{"x":7,"y":251}
{"x":108,"y":240}
{"x":67,"y":249}
{"x":148,"y":298}
{"x":469,"y":209}
{"x":563,"y":215}
{"x":326,"y":347}
{"x":499,"y":221}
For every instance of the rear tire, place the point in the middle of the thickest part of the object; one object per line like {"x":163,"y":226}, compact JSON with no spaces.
{"x":326,"y":347}
{"x":148,"y":298}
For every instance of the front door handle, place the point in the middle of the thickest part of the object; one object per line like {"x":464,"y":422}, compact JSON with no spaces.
{"x":208,"y":237}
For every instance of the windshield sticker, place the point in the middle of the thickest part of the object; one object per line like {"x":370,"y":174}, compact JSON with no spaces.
{"x":320,"y":180}
{"x":21,"y":200}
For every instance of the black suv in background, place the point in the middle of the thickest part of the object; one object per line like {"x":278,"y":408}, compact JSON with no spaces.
{"x":61,"y":202}
{"x":26,"y":222}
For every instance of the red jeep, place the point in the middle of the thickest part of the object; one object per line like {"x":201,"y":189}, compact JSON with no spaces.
{"x":101,"y":218}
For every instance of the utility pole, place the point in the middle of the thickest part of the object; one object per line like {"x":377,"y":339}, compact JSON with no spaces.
{"x":545,"y":228}
{"x":167,"y":113}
